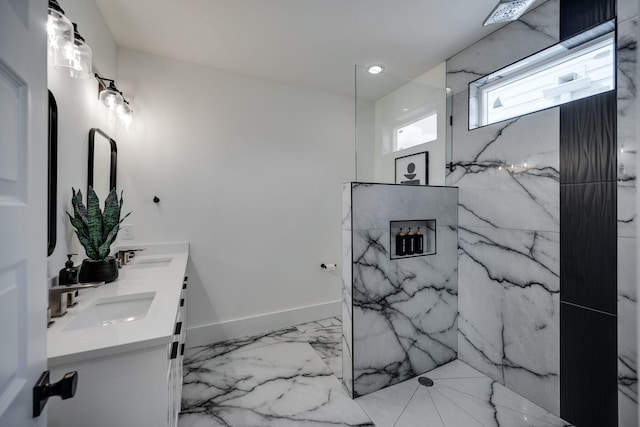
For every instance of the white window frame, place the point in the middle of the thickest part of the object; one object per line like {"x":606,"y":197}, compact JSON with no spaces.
{"x":409,"y":123}
{"x":541,"y":62}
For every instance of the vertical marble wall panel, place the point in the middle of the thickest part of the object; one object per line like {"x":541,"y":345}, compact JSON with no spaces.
{"x":508,"y":176}
{"x":627,"y":341}
{"x":627,"y":214}
{"x":627,"y":116}
{"x":404,"y":311}
{"x":509,"y":309}
{"x":347,"y":306}
{"x":507,"y":173}
{"x":532,"y":32}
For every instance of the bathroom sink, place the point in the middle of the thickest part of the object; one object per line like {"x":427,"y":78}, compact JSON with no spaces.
{"x":113,"y":310}
{"x":152,"y":262}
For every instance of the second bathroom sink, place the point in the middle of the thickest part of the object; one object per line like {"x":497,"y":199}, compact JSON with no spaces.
{"x":113,"y":310}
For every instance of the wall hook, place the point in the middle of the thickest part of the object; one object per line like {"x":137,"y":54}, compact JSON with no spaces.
{"x":156,"y":199}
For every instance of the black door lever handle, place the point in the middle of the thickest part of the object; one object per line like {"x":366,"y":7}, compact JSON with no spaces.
{"x":42,"y":391}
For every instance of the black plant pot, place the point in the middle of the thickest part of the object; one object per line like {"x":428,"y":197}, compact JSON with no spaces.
{"x":104,"y":270}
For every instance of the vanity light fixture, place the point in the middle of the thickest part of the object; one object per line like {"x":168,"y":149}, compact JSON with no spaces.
{"x":507,"y":10}
{"x":125,"y":114}
{"x":113,"y":99}
{"x":58,"y":26}
{"x":73,"y":55}
{"x":375,"y":69}
{"x":110,"y":96}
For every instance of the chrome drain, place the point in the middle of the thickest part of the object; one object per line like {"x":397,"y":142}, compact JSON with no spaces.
{"x":425,"y":381}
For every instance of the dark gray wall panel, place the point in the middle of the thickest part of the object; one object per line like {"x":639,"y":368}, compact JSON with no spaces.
{"x":588,"y":245}
{"x":578,"y":15}
{"x":588,"y":381}
{"x":588,"y":135}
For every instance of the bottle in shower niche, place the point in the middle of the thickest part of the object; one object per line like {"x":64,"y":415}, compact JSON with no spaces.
{"x":401,"y":243}
{"x":418,"y":239}
{"x":410,"y":243}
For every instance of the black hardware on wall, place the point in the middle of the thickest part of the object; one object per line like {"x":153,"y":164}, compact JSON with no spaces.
{"x":52,"y":193}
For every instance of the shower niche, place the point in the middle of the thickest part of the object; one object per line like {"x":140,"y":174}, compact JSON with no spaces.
{"x":411,"y":239}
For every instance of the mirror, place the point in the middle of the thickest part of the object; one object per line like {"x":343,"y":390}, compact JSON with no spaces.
{"x":52,"y":176}
{"x":103,"y":154}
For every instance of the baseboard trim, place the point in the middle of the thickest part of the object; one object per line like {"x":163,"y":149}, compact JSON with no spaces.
{"x":237,"y":328}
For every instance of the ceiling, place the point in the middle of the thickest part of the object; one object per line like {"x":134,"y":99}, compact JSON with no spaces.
{"x":313,"y":43}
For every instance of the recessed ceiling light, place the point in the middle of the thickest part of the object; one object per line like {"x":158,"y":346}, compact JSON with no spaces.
{"x":375,"y":69}
{"x":508,"y":10}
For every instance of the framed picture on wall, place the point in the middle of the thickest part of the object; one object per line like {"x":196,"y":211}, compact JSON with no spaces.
{"x":413,"y":169}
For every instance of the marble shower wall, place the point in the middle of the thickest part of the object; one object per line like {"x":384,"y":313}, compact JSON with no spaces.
{"x":399,"y":316}
{"x":509,"y":228}
{"x":627,"y":214}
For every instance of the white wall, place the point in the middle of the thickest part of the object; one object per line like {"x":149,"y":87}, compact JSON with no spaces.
{"x":78,"y":112}
{"x":248,"y":171}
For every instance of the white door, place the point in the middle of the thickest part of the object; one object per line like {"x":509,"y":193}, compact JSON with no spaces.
{"x":23,"y":196}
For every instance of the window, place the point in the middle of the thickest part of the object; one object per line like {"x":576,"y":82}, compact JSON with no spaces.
{"x":565,"y":72}
{"x":418,"y":132}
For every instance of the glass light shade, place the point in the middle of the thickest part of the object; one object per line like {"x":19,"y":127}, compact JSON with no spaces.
{"x":74,"y":56}
{"x":125,"y":115}
{"x":111,"y":98}
{"x":58,"y":26}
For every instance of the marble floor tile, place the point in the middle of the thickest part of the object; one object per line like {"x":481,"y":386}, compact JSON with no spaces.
{"x":385,"y":406}
{"x":278,"y":383}
{"x":279,"y":379}
{"x":320,"y":324}
{"x":325,"y":337}
{"x":460,"y":397}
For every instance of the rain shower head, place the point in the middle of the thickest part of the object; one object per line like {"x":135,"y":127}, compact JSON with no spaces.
{"x":508,"y":10}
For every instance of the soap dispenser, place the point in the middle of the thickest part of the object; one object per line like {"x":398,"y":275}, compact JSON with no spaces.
{"x":69,"y":274}
{"x":401,"y":243}
{"x":419,"y":242}
{"x":410,"y":243}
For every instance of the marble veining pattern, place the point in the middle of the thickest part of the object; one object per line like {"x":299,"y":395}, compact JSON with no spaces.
{"x":509,"y":316}
{"x":508,"y":176}
{"x":272,"y":380}
{"x":534,"y":31}
{"x":276,"y":379}
{"x":460,"y":396}
{"x":627,"y":216}
{"x":405,"y":311}
{"x":627,"y":342}
{"x":325,"y":337}
{"x":504,"y":179}
{"x":627,"y":144}
{"x":400,"y":316}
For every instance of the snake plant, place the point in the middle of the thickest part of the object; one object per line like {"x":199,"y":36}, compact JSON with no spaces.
{"x":96,"y":229}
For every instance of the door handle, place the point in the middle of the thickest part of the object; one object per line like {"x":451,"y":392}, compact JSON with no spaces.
{"x":42,"y":391}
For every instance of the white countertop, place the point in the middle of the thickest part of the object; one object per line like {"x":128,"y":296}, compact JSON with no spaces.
{"x":156,"y":328}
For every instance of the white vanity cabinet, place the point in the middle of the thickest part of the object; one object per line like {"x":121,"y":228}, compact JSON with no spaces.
{"x":128,"y":374}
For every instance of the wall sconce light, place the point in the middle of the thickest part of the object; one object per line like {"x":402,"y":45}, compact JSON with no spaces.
{"x":113,"y":99}
{"x":74,"y":56}
{"x":58,"y":26}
